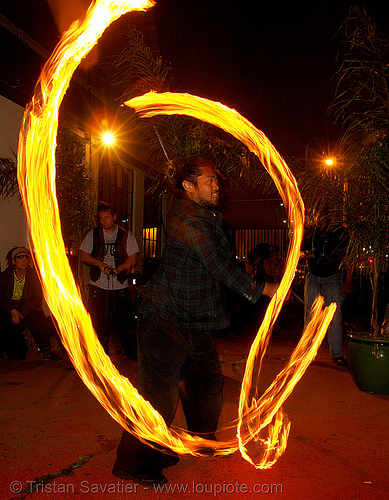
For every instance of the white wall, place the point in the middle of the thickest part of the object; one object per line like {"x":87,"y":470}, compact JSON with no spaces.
{"x":13,"y":223}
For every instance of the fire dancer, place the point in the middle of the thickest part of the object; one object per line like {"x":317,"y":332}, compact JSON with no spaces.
{"x":184,"y":304}
{"x":111,"y":252}
{"x":21,"y":308}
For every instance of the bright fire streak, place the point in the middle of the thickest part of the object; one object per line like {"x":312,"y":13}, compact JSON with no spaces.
{"x":255,"y":416}
{"x":36,"y":176}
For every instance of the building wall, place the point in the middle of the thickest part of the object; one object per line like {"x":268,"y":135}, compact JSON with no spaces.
{"x":13,"y":223}
{"x":139,"y":191}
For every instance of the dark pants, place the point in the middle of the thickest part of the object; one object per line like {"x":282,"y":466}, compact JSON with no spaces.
{"x":12,"y":340}
{"x":174,"y":363}
{"x":111,"y":310}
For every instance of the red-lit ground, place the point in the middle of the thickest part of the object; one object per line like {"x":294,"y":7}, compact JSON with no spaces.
{"x":337,"y":449}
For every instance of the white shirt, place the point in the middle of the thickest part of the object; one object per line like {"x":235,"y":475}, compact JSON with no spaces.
{"x":109,"y":282}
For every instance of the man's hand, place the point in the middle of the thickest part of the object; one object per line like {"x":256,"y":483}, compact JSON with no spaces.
{"x":126,"y":266}
{"x":270,"y":289}
{"x":104,"y":268}
{"x":305,"y":256}
{"x":86,"y":258}
{"x":16,"y":317}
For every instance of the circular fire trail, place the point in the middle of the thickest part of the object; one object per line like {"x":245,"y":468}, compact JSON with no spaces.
{"x":260,"y":419}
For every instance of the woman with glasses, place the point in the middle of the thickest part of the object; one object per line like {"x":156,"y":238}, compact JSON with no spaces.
{"x":21,"y":308}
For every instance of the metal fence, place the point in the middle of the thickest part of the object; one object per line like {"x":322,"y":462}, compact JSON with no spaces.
{"x":245,"y":240}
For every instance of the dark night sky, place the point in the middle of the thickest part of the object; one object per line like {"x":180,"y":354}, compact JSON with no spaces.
{"x":271,"y":61}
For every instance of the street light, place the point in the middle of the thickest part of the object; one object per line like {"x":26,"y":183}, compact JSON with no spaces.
{"x":329,"y":162}
{"x":108,"y":138}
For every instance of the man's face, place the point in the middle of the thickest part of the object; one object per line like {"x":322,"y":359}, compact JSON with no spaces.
{"x":107,"y":220}
{"x":206,"y":193}
{"x":21,"y":261}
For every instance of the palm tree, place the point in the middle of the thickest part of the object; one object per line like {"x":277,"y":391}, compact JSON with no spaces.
{"x":361,"y":106}
{"x":73,"y":186}
{"x":8,"y":179}
{"x":74,"y":194}
{"x":140,"y":69}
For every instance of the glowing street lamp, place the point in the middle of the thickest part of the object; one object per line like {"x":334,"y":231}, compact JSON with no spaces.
{"x":329,"y":162}
{"x":108,"y":138}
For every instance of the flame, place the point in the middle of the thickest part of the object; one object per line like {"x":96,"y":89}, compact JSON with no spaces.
{"x":259,"y":414}
{"x":36,"y":176}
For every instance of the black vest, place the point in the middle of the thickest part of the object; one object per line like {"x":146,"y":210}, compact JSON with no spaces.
{"x":99,"y":252}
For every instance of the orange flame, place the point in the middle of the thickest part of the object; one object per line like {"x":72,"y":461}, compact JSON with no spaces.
{"x":36,"y":176}
{"x":255,"y":417}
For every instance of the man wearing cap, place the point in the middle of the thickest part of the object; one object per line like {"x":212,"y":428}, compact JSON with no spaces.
{"x":21,"y":308}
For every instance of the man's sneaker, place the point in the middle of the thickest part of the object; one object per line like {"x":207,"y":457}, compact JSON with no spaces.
{"x":139,"y":476}
{"x":340,"y":361}
{"x":51,"y":356}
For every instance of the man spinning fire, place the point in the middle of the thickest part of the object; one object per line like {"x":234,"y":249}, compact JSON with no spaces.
{"x":184,"y":304}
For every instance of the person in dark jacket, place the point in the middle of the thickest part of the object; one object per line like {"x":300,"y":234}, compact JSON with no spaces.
{"x":184,"y":305}
{"x":325,"y":277}
{"x":21,"y":308}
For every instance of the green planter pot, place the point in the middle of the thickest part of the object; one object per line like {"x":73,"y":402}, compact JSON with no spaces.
{"x":368,"y":361}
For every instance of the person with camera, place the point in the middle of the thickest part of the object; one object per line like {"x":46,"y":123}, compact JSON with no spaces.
{"x":111,"y":252}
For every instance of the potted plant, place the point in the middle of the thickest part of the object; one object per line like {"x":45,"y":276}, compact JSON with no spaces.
{"x":361,"y":106}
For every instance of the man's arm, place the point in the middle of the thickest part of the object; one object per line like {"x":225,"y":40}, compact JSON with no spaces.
{"x":127,"y":265}
{"x":31,"y":299}
{"x":215,"y":255}
{"x":7,"y":305}
{"x":86,"y":249}
{"x":270,"y":289}
{"x":86,"y":258}
{"x":132,"y":250}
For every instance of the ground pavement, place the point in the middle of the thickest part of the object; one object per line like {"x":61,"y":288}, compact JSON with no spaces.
{"x":54,"y":429}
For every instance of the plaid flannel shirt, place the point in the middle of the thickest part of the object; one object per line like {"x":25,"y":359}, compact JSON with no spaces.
{"x":197,"y":265}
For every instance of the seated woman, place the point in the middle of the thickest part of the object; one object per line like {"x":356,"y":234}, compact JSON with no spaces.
{"x":21,"y":308}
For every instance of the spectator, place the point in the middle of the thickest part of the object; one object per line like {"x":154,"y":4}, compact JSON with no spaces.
{"x":111,"y":252}
{"x":324,"y":253}
{"x":273,"y":266}
{"x":21,"y":308}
